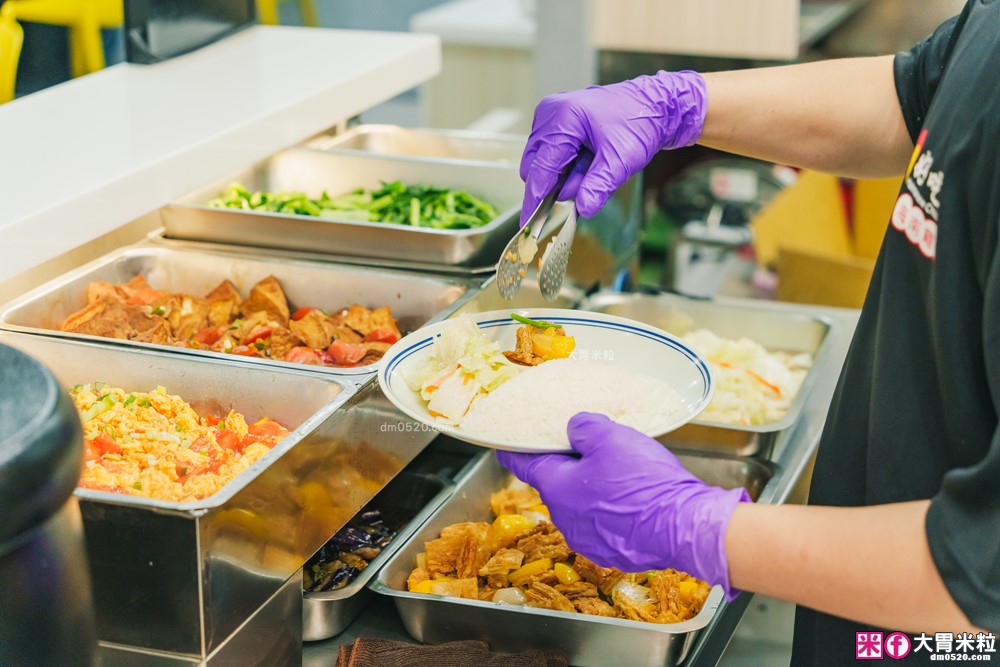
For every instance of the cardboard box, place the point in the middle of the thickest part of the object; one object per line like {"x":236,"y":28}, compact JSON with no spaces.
{"x":873,"y":203}
{"x":822,"y":253}
{"x":820,"y":278}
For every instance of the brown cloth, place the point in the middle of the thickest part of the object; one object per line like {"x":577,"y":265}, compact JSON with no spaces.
{"x":375,"y":652}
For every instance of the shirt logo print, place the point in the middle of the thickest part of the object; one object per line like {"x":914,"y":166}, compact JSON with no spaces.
{"x":916,"y":210}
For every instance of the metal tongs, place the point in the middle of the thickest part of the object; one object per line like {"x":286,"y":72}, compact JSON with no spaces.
{"x":523,"y":248}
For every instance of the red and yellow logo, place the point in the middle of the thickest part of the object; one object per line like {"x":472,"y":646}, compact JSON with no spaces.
{"x":917,"y":150}
{"x":916,"y":211}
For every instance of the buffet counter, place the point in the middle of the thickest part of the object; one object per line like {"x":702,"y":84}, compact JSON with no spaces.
{"x":134,"y":187}
{"x":791,"y":456}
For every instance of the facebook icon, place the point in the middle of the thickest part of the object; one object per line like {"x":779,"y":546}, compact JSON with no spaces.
{"x":897,"y":645}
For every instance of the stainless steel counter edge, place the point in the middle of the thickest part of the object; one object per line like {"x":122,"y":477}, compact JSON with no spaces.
{"x":417,"y":283}
{"x":159,"y":237}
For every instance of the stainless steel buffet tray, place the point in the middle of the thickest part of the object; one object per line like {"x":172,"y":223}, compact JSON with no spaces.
{"x":586,"y":641}
{"x":605,"y":244}
{"x":482,"y":296}
{"x":407,"y":501}
{"x":313,"y":171}
{"x":158,"y":237}
{"x":182,"y":577}
{"x":451,"y":145}
{"x":774,"y":329}
{"x":415,"y":300}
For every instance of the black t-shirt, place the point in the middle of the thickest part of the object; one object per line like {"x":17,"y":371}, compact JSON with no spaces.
{"x":915,"y":415}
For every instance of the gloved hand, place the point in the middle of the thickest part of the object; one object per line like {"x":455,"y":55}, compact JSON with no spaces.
{"x":628,"y":503}
{"x":608,"y":133}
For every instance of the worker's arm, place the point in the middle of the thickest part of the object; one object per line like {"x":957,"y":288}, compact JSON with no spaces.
{"x":841,"y":116}
{"x":625,"y":501}
{"x":869,"y":564}
{"x":838,"y":116}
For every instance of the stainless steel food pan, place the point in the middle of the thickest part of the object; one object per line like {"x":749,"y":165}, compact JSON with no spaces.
{"x":159,"y":238}
{"x":182,"y":577}
{"x":776,"y":328}
{"x":313,"y":171}
{"x":406,"y":501}
{"x":586,"y":641}
{"x":451,"y":145}
{"x":604,"y":245}
{"x":757,"y":477}
{"x":269,"y":638}
{"x":415,"y":300}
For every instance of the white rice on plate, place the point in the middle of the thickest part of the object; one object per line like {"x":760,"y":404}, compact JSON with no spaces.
{"x":535,"y":407}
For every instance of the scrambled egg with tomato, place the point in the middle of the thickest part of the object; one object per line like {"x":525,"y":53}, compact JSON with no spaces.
{"x":155,"y":445}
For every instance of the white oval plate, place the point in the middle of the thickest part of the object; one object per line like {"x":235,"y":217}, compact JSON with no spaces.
{"x":634,"y":346}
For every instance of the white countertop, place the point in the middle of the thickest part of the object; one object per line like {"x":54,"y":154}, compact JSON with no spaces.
{"x":83,"y":158}
{"x":498,"y":23}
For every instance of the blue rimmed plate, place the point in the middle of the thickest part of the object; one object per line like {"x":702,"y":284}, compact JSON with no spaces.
{"x":633,"y":346}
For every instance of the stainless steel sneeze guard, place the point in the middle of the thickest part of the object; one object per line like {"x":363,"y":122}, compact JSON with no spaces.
{"x":415,"y":300}
{"x":787,"y":330}
{"x":182,"y":578}
{"x":313,"y":171}
{"x":586,"y":641}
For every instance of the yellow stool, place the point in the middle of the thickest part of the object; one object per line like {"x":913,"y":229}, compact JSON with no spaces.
{"x":84,"y":18}
{"x":267,"y":12}
{"x":11,"y":38}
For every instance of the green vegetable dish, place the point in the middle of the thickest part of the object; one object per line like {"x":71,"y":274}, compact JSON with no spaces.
{"x":393,"y":203}
{"x":538,"y":324}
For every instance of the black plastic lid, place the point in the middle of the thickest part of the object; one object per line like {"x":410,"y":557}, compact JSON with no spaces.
{"x":41,"y":444}
{"x":156,"y":30}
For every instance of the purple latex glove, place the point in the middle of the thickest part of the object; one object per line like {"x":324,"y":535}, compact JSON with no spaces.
{"x":628,"y":503}
{"x":608,"y":133}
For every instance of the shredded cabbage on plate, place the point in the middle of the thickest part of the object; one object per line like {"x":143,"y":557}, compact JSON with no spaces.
{"x":464,"y":363}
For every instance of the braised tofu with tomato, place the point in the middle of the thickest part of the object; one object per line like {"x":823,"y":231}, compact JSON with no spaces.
{"x":264,"y":325}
